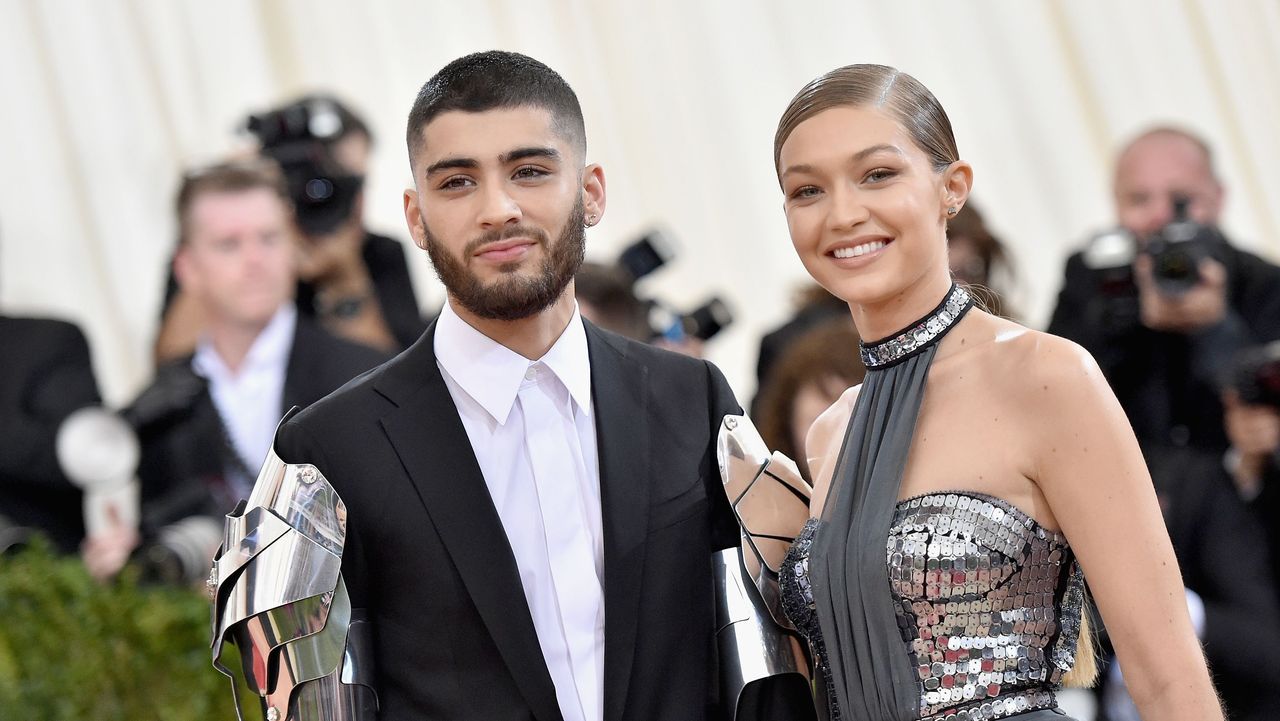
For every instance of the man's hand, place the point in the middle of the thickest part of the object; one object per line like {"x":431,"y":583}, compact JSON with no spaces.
{"x":1202,"y":306}
{"x":106,"y":552}
{"x":1254,"y":432}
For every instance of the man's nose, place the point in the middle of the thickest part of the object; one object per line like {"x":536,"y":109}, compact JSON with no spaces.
{"x":498,"y":208}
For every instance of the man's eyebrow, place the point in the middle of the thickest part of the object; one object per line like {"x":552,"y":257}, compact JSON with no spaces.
{"x":451,"y":164}
{"x":857,"y":157}
{"x":508,"y":157}
{"x":531,"y":152}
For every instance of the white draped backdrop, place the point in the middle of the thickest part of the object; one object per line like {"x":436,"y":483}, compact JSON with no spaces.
{"x":105,"y":101}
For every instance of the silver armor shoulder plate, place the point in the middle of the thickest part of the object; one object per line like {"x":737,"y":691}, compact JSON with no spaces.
{"x":280,"y":601}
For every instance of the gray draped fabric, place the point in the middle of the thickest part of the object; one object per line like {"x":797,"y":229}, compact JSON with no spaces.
{"x":871,"y":673}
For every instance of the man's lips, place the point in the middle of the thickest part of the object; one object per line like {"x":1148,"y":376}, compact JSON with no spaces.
{"x":505,"y":251}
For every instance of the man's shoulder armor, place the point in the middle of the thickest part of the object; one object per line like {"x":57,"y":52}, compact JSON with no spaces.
{"x":280,"y":601}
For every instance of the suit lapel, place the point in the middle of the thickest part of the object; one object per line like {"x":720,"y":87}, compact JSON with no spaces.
{"x":433,"y":446}
{"x":619,"y":385}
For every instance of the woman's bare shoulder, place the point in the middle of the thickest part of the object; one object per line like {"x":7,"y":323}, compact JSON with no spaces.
{"x":831,"y":422}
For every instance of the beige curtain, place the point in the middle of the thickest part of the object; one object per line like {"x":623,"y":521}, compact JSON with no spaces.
{"x":105,"y":101}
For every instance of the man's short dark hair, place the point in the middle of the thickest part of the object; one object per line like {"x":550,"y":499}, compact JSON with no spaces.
{"x":496,"y":79}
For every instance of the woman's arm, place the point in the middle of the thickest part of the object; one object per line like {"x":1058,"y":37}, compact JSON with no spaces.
{"x":1087,"y":463}
{"x":822,"y":446}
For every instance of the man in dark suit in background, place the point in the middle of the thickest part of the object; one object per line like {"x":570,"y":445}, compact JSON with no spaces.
{"x":209,"y":418}
{"x":45,"y":375}
{"x":1163,"y":352}
{"x":532,"y":502}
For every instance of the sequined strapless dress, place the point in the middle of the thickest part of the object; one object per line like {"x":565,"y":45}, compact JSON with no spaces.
{"x":987,"y":601}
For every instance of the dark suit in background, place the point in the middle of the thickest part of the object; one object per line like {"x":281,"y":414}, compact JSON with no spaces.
{"x":1222,"y":553}
{"x":45,"y":374}
{"x":1169,"y":383}
{"x":185,"y":451}
{"x":428,"y":561}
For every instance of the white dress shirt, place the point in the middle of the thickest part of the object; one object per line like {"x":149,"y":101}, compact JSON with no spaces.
{"x":533,"y":432}
{"x":250,"y":398}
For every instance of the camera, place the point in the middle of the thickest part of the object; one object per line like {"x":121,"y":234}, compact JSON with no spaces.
{"x":1178,"y":248}
{"x":648,"y":254}
{"x":299,"y":137}
{"x":1109,"y":257}
{"x":181,"y":552}
{"x":1256,"y":375}
{"x":13,"y":537}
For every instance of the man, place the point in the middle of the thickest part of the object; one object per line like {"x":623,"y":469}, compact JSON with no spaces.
{"x":45,"y":375}
{"x":531,"y":503}
{"x":1164,"y":355}
{"x":1163,"y":359}
{"x":354,"y":282}
{"x":209,"y":418}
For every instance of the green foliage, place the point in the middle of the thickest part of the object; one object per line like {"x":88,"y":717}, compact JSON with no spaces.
{"x":73,"y":649}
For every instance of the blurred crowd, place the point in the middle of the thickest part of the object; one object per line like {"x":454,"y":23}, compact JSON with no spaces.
{"x":277,"y":295}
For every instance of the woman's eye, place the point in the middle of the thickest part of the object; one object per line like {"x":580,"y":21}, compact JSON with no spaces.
{"x":878,"y":175}
{"x":804,"y":192}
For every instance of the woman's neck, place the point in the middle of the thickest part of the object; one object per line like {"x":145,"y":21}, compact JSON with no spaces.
{"x":881,"y":319}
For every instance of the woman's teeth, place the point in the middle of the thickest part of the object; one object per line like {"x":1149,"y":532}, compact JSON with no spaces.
{"x":858,"y":250}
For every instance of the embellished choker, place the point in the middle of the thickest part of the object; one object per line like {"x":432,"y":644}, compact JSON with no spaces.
{"x":919,"y":335}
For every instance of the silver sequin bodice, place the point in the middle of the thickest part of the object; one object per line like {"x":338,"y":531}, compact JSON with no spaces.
{"x":988,"y":604}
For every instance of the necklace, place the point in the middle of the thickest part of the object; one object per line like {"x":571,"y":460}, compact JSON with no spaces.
{"x":900,"y":346}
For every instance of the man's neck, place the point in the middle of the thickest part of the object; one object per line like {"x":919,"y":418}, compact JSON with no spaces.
{"x":232,"y":341}
{"x":531,"y":337}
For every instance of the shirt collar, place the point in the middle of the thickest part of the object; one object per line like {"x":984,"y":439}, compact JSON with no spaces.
{"x":270,"y":349}
{"x":491,"y":373}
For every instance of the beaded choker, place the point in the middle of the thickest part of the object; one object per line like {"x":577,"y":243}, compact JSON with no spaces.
{"x":919,"y":335}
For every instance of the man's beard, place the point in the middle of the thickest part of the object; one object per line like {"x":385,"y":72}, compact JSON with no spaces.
{"x":513,"y":296}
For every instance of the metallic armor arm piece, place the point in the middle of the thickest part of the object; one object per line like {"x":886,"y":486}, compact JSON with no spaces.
{"x":754,"y":638}
{"x":280,"y":600}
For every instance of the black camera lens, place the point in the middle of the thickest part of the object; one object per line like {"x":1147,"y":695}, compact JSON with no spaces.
{"x":1176,"y":267}
{"x":319,"y":189}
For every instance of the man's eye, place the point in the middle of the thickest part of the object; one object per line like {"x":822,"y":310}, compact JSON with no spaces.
{"x":457,"y":181}
{"x":529,"y":172}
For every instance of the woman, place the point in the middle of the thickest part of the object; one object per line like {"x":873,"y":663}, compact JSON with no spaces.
{"x":988,"y":457}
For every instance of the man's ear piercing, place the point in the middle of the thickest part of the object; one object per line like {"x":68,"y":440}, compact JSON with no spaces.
{"x":591,"y":220}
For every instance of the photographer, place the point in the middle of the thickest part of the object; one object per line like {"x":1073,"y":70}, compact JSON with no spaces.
{"x":355,"y":283}
{"x":211,"y":416}
{"x":1164,"y":322}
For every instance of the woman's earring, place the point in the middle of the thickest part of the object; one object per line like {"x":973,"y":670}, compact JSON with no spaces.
{"x":953,"y":210}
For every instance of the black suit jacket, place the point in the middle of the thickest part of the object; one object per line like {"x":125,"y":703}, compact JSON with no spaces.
{"x":427,"y":560}
{"x":184,"y":449}
{"x":45,"y":374}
